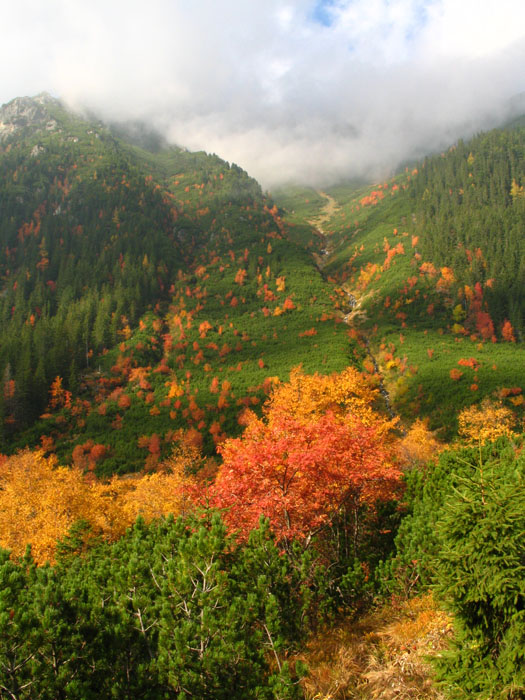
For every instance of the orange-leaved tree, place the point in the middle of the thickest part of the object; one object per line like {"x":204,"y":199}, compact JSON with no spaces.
{"x":320,"y":448}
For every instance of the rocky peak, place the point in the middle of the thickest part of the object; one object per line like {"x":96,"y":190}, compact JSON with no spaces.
{"x":25,"y":112}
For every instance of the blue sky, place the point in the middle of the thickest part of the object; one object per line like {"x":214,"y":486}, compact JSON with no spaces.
{"x":322,"y":12}
{"x":312,"y":90}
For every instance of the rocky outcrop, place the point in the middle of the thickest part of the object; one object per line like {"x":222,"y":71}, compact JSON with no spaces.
{"x":24,"y":112}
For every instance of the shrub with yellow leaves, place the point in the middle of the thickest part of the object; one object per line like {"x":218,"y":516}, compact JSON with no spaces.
{"x":40,"y":500}
{"x":486,"y":422}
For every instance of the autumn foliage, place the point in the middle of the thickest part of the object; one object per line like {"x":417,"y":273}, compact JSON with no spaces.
{"x":40,"y":501}
{"x":419,"y":445}
{"x":319,"y":446}
{"x":486,"y":422}
{"x":507,"y":332}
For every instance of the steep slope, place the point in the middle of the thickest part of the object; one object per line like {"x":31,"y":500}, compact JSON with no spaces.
{"x":470,"y":213}
{"x":78,"y":219}
{"x":430,"y":267}
{"x":97,"y":231}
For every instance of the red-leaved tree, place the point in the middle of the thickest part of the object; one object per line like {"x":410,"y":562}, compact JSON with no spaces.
{"x":300,"y":468}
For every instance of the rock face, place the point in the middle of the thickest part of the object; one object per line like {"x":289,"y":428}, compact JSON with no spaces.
{"x":23,"y":112}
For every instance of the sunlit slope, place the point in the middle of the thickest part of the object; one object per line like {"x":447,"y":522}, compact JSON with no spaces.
{"x":443,"y":332}
{"x":145,"y":292}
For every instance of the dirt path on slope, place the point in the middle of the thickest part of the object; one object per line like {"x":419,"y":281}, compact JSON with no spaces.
{"x":330,"y":208}
{"x":327,"y":212}
{"x":318,"y":222}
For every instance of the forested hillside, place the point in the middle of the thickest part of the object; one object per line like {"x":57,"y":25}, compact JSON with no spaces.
{"x":430,"y":266}
{"x":259,"y":446}
{"x":97,"y":232}
{"x":469,"y":207}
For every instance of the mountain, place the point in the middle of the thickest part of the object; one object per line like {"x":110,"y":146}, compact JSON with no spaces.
{"x":124,"y":268}
{"x":135,"y":282}
{"x":28,"y":113}
{"x":433,"y":263}
{"x":353,"y":356}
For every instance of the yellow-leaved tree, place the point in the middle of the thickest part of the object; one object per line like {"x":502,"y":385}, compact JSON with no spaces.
{"x":486,"y":422}
{"x":419,"y":445}
{"x":40,"y":500}
{"x":162,"y":492}
{"x":308,"y":396}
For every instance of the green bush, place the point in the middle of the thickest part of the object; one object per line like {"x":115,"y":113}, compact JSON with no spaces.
{"x":464,"y":538}
{"x":173,"y":610}
{"x":480,"y":575}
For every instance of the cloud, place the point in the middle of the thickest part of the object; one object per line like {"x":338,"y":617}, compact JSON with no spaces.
{"x":290,"y":90}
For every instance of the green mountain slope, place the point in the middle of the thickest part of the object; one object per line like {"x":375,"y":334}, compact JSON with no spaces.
{"x":96,"y":232}
{"x":166,"y":292}
{"x":430,"y":266}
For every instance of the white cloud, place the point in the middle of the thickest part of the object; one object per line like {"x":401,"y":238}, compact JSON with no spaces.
{"x":474,"y":29}
{"x":264,"y":85}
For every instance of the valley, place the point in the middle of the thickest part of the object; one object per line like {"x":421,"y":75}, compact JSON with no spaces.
{"x":269,"y":437}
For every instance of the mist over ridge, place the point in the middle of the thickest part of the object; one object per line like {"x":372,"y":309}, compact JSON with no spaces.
{"x":304,"y":91}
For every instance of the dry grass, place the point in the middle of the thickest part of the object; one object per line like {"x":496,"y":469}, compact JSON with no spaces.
{"x":382,"y":656}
